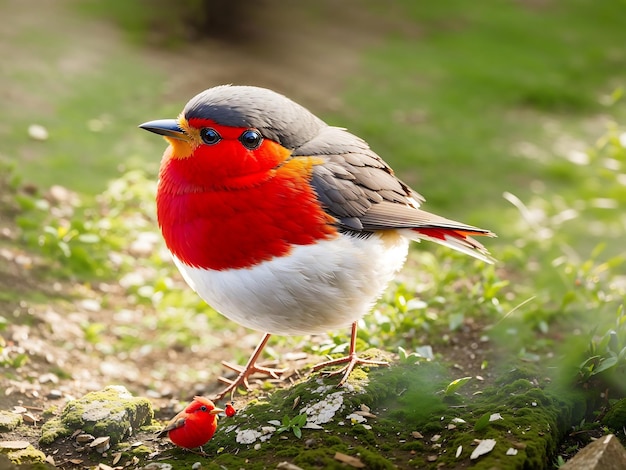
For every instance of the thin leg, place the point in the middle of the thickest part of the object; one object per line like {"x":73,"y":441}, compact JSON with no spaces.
{"x":246,"y":371}
{"x":350,"y":360}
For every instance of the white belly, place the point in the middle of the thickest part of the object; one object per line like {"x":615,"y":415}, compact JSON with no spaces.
{"x":313,"y":290}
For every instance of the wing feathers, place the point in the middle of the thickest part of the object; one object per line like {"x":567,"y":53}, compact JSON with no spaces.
{"x":361,"y":192}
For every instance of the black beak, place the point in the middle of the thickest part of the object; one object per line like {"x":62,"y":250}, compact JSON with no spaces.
{"x":166,"y":127}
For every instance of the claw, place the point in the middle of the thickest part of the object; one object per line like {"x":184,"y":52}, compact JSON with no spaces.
{"x":272,"y":372}
{"x":351,"y":360}
{"x":246,"y":371}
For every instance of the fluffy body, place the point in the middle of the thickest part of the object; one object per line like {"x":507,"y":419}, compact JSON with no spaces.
{"x":317,"y":288}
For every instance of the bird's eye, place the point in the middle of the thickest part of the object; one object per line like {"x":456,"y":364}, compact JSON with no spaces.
{"x":209,"y":136}
{"x":203,"y":408}
{"x":251,"y":139}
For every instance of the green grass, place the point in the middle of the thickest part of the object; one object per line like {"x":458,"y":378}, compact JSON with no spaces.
{"x":90,"y":94}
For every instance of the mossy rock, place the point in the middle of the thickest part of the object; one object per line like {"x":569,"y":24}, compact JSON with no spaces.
{"x":112,"y":412}
{"x":407,"y":422}
{"x":22,"y":453}
{"x":9,"y":421}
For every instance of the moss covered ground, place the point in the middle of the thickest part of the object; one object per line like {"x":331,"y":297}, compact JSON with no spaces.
{"x":413,"y":423}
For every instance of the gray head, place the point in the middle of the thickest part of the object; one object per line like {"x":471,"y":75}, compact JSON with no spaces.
{"x":274,"y":115}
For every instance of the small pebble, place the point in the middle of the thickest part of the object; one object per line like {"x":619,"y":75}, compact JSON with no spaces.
{"x":83,"y":438}
{"x":37,"y":132}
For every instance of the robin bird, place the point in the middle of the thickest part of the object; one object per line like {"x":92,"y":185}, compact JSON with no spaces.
{"x":194,"y":426}
{"x":283,"y":223}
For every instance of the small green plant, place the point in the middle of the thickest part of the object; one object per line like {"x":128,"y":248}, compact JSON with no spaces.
{"x":421,"y":353}
{"x":11,"y":359}
{"x":607,"y":352}
{"x":455,"y":385}
{"x":482,"y":422}
{"x":559,"y":462}
{"x":294,"y":424}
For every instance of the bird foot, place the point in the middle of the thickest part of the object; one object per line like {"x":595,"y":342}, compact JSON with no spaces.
{"x":351,"y":361}
{"x":199,"y":451}
{"x":242,"y":379}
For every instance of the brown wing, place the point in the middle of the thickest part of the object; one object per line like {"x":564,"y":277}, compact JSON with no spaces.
{"x":361,"y":191}
{"x":173,"y":424}
{"x":354,"y":180}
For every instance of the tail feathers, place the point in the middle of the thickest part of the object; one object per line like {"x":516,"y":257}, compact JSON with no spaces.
{"x":457,"y":239}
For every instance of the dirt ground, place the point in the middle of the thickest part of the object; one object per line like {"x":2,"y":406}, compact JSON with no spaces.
{"x":49,"y":325}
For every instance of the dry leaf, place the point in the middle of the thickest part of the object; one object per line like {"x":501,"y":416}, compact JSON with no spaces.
{"x":348,"y":459}
{"x":287,"y":466}
{"x":84,"y":438}
{"x":29,"y":418}
{"x":101,"y":444}
{"x":100,"y":441}
{"x":484,"y":447}
{"x":14,"y":445}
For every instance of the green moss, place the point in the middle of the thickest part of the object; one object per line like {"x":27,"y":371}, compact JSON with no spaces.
{"x":9,"y":421}
{"x":27,"y":455}
{"x":615,"y":418}
{"x":373,"y":460}
{"x":50,"y":411}
{"x":52,"y":430}
{"x":141,"y":450}
{"x":322,"y":457}
{"x":417,"y":446}
{"x":404,"y":398}
{"x":153,"y":427}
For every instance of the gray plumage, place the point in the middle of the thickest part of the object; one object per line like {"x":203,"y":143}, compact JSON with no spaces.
{"x":274,"y":115}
